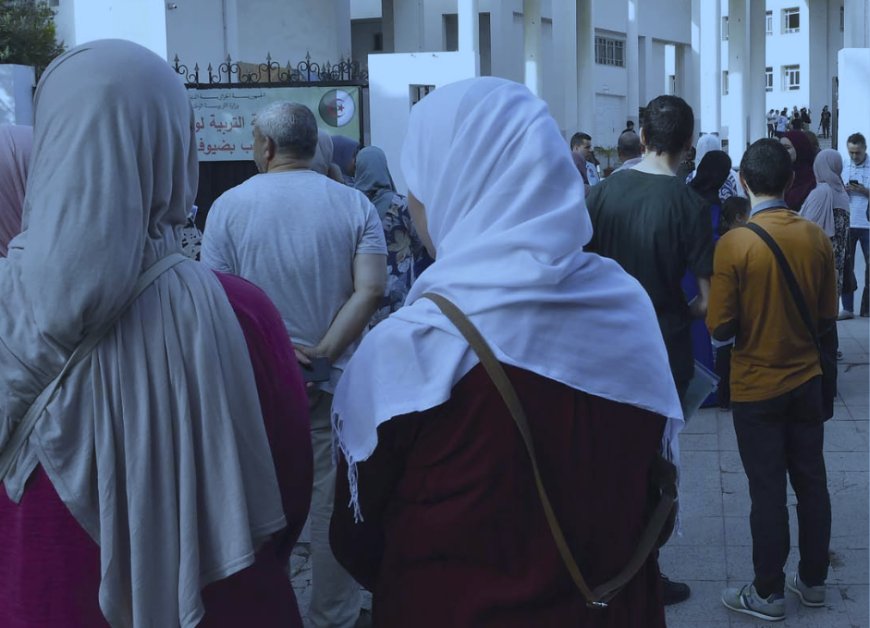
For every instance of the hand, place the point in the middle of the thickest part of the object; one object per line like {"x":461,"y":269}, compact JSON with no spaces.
{"x":859,"y":189}
{"x":698,"y":308}
{"x":304,"y":354}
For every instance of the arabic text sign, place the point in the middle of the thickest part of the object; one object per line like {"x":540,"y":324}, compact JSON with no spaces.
{"x":224,"y":118}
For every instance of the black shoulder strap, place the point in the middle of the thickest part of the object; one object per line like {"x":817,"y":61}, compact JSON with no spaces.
{"x":790,"y":279}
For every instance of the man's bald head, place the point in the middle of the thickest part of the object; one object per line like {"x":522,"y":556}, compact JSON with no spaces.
{"x":628,"y":146}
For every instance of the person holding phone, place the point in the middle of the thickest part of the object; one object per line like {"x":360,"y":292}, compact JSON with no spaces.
{"x":857,"y":179}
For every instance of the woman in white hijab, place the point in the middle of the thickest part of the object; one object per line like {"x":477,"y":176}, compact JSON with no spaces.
{"x":146,"y":493}
{"x":707,"y":143}
{"x":450,"y":530}
{"x":16,"y":143}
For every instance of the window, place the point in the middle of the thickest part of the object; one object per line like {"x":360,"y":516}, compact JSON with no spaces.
{"x":791,"y":20}
{"x":609,"y":51}
{"x":724,"y":28}
{"x":418,"y":92}
{"x":768,"y":23}
{"x":791,"y":77}
{"x":768,"y":79}
{"x":725,"y":83}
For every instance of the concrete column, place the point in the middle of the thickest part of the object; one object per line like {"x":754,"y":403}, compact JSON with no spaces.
{"x":632,"y":63}
{"x":565,"y":49}
{"x":469,"y":32}
{"x":710,"y":70}
{"x":408,"y":25}
{"x":585,"y":65}
{"x":857,"y":24}
{"x":388,"y":25}
{"x":755,"y":73}
{"x":533,"y":74}
{"x":739,"y":66}
{"x":646,"y":85}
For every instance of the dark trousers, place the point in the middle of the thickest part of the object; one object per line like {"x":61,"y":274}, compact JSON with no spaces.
{"x":777,"y":437}
{"x":862,"y":237}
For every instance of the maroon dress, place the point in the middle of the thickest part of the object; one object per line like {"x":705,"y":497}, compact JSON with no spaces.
{"x":50,"y":567}
{"x":454,"y":533}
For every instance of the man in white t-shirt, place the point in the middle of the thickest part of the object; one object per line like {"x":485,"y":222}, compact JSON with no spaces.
{"x":317,"y":248}
{"x":856,"y":176}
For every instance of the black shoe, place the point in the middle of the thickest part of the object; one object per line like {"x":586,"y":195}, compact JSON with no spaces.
{"x":674,"y":592}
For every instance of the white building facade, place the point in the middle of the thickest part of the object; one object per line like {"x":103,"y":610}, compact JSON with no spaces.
{"x":802,"y":40}
{"x":207,"y":31}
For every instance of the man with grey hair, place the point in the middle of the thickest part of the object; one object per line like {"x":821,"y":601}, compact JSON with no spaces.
{"x":316,"y":247}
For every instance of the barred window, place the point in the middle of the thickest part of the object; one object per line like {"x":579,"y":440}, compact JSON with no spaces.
{"x":768,"y":79}
{"x":791,"y":77}
{"x":609,"y":51}
{"x":791,"y":20}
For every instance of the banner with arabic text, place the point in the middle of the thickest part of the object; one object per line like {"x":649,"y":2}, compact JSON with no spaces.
{"x":224,"y":116}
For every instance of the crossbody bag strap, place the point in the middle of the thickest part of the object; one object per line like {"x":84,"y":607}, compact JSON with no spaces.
{"x":793,"y":286}
{"x":25,"y":427}
{"x":601,"y":595}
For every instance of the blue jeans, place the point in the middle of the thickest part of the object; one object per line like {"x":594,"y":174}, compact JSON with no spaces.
{"x":856,"y":236}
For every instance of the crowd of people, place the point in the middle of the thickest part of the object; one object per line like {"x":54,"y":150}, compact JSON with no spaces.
{"x":779,"y":122}
{"x":473,"y":392}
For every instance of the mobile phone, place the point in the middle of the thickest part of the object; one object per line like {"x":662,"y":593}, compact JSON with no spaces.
{"x":317,"y":371}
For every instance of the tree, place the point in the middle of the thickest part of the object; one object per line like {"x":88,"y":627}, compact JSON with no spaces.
{"x":27,"y":34}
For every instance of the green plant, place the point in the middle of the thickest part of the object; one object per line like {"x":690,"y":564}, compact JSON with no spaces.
{"x":27,"y":34}
{"x":608,"y":152}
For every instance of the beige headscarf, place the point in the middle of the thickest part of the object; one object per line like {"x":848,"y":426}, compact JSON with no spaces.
{"x":15,"y":146}
{"x":323,"y":153}
{"x":156,"y":442}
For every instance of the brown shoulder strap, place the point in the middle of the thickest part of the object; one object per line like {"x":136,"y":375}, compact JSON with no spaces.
{"x":602,"y":594}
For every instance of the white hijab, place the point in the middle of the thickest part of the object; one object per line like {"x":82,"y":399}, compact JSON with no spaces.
{"x":156,"y":442}
{"x":505,"y":211}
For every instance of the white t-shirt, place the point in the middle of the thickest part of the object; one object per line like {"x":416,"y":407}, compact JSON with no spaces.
{"x":295,"y":234}
{"x":858,"y":203}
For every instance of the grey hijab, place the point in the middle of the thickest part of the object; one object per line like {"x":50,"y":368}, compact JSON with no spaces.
{"x":373,"y":178}
{"x":323,"y":154}
{"x":156,"y":442}
{"x":829,"y":193}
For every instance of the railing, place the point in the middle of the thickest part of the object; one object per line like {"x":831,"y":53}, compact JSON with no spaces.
{"x":306,"y":72}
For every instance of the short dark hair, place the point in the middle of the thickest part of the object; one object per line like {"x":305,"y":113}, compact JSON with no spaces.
{"x":579,"y":138}
{"x":857,"y":138}
{"x":734,"y":208}
{"x":668,"y":125}
{"x":766,"y":168}
{"x":629,"y":123}
{"x":628,"y":145}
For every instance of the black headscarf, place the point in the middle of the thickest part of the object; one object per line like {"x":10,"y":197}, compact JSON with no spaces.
{"x":711,"y":175}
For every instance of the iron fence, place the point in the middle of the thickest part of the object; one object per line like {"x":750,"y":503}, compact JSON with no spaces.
{"x":304,"y":73}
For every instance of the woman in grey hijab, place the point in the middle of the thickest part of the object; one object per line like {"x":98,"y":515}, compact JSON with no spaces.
{"x":828,"y":206}
{"x":406,"y":256}
{"x":146,"y":493}
{"x":322,"y":161}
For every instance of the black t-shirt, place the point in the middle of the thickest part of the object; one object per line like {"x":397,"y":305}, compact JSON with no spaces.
{"x":656,"y":227}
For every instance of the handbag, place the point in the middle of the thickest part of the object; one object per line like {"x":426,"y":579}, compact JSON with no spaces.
{"x":22,"y":431}
{"x":663,"y":474}
{"x":826,"y":342}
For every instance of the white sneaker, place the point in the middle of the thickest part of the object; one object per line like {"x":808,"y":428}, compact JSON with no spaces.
{"x":810,"y":596}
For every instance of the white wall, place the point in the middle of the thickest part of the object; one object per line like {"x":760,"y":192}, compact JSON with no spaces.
{"x":365,"y":9}
{"x":390,"y":78}
{"x":854,"y":68}
{"x":141,"y":21}
{"x":16,"y":94}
